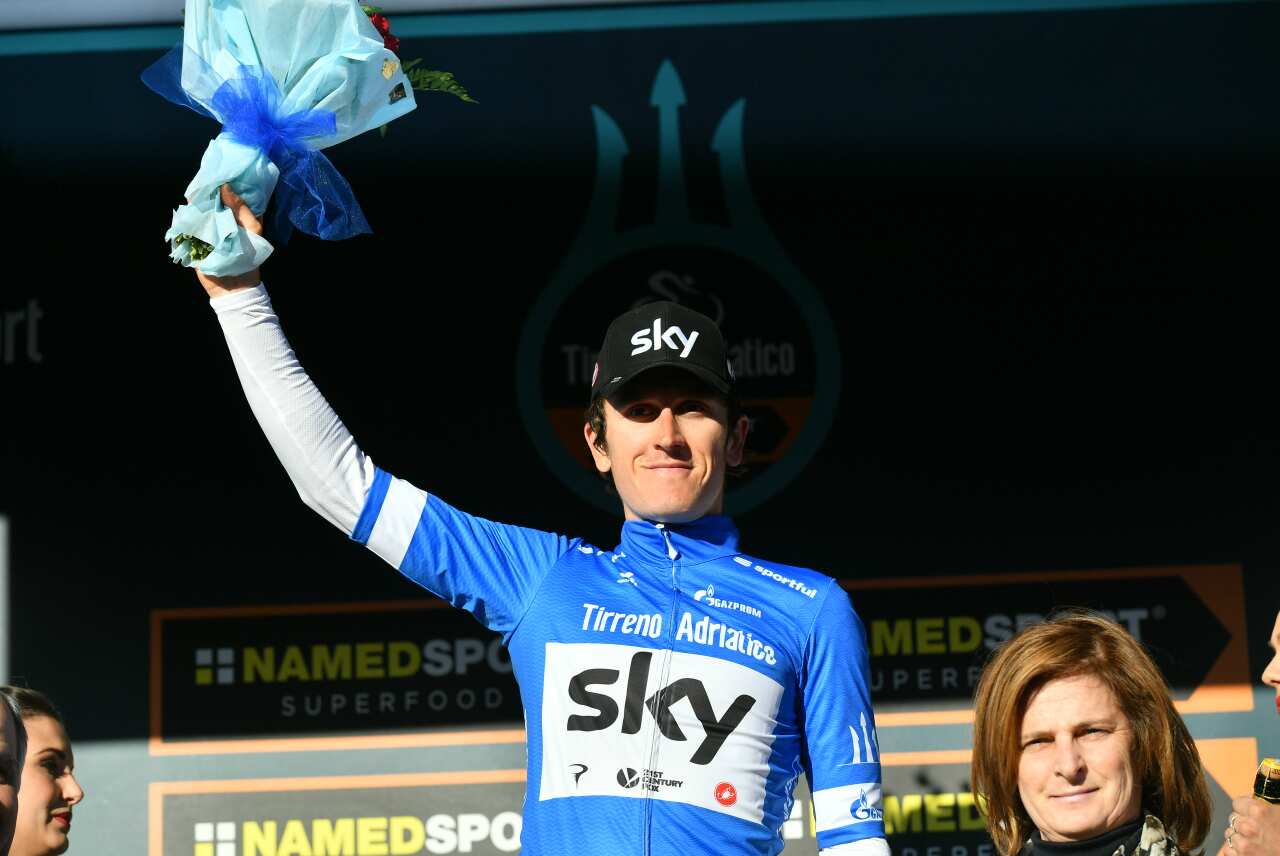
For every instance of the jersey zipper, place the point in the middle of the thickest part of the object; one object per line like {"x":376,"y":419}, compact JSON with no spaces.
{"x":673,"y":554}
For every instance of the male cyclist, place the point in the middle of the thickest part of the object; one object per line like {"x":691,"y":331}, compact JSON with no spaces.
{"x":674,"y":687}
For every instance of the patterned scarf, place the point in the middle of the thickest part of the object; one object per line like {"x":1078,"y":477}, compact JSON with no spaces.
{"x":1152,"y":840}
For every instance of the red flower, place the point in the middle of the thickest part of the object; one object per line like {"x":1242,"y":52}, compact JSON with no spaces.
{"x":391,"y":43}
{"x":381,"y":23}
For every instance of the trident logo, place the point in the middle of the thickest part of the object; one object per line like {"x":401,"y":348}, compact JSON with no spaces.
{"x":553,"y":370}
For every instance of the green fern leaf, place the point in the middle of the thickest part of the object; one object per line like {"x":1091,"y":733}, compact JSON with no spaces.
{"x":430,"y":80}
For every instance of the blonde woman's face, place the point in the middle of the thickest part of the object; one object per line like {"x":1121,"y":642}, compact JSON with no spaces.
{"x":1075,"y":769}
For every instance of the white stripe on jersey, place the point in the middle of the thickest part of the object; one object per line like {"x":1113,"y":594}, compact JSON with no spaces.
{"x":835,"y":808}
{"x":397,"y":521}
{"x":864,"y":847}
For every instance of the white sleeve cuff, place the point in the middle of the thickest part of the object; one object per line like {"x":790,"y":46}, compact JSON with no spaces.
{"x":865,"y":847}
{"x":238,"y":299}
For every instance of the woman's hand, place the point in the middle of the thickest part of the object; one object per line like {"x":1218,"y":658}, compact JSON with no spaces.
{"x":1254,"y":829}
{"x":217,"y":286}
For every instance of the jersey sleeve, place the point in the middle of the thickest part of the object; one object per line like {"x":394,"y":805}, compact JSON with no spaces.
{"x":492,"y":570}
{"x":842,"y":753}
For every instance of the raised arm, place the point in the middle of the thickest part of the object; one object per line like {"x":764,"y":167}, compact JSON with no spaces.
{"x":489,"y":569}
{"x":322,"y":459}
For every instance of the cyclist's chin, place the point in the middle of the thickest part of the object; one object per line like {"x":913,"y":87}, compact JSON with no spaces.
{"x":671,"y":504}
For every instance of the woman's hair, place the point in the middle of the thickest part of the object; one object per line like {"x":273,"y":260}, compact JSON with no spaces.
{"x":29,"y":703}
{"x":25,"y":703}
{"x":19,"y":730}
{"x":1071,"y":644}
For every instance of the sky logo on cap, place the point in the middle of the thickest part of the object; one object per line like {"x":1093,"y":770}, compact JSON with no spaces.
{"x":668,"y":337}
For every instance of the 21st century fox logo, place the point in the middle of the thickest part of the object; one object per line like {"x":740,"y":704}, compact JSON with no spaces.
{"x":361,"y":836}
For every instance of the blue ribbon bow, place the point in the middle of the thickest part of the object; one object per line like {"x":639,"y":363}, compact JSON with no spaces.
{"x":312,"y":195}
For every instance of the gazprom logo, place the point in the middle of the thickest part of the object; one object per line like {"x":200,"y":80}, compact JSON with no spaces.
{"x":708,"y":596}
{"x":867,"y":806}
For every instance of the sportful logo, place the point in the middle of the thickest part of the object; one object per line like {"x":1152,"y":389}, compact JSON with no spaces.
{"x":777,"y":577}
{"x":643,"y":342}
{"x":708,"y":596}
{"x":627,"y":577}
{"x":215,"y":839}
{"x":869,"y":742}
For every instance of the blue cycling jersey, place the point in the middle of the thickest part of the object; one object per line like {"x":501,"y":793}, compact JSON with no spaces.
{"x":674,"y":688}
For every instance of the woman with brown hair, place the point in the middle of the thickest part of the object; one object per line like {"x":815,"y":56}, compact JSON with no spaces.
{"x":1077,"y":747}
{"x":49,"y":788}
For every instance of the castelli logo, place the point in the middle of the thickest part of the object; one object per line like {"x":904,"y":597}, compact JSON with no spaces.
{"x":726,"y":794}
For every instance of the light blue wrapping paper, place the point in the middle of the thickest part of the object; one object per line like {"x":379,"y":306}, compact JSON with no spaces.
{"x":323,"y":55}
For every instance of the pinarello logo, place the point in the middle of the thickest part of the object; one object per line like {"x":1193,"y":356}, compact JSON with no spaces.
{"x":726,"y":794}
{"x":628,"y":777}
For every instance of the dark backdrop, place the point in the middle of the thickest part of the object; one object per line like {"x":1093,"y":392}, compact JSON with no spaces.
{"x":1046,"y":242}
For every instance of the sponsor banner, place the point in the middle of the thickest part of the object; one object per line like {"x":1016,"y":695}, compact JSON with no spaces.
{"x":424,"y":813}
{"x":288,"y":677}
{"x":596,"y":699}
{"x":427,"y":813}
{"x":930,"y":636}
{"x":931,"y":811}
{"x":927,"y":805}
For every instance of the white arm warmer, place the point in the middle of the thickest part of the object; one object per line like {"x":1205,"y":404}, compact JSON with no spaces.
{"x":328,"y":469}
{"x":865,"y":847}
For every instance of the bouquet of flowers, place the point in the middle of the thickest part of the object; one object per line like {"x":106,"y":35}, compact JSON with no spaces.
{"x":285,"y":78}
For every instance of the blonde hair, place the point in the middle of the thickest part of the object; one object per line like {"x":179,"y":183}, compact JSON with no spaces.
{"x":1068,"y":645}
